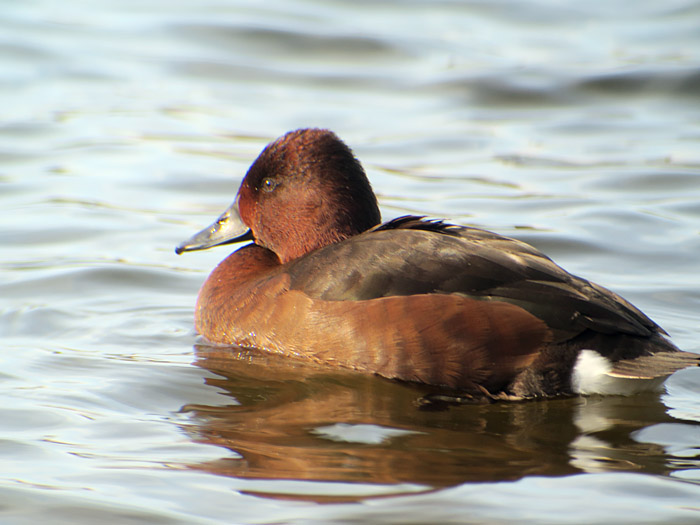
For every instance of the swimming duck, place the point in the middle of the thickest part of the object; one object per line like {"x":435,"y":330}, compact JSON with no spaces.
{"x":412,"y":299}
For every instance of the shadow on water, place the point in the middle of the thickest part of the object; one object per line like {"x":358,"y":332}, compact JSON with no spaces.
{"x":286,"y":420}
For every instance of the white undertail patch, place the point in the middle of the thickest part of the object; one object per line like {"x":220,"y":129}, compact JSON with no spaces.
{"x":592,"y":376}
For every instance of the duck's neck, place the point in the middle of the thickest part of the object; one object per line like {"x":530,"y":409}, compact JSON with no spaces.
{"x":310,"y":237}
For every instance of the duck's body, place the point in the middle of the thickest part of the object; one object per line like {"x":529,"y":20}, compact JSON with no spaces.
{"x":411,"y":299}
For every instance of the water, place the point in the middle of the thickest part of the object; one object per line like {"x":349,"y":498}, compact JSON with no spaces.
{"x":126,"y":126}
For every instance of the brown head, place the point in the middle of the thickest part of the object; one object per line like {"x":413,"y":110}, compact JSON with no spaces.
{"x":304,"y":191}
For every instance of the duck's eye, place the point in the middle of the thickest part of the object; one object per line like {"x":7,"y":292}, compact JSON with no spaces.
{"x":268,"y":184}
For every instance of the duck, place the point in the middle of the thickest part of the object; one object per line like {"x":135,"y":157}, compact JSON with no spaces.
{"x":414,"y":299}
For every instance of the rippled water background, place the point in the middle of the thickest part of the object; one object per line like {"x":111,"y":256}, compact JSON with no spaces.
{"x":126,"y":126}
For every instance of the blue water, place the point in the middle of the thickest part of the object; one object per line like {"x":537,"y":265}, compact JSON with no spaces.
{"x":126,"y":126}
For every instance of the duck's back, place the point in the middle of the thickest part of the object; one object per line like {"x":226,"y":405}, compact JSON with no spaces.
{"x":409,"y":256}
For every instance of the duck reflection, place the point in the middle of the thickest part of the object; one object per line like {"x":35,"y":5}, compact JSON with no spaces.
{"x":290,"y":420}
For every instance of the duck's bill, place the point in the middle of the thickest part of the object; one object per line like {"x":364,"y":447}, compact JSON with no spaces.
{"x":227,"y":229}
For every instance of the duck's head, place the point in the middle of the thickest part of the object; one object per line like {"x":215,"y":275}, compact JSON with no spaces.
{"x":304,"y":191}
